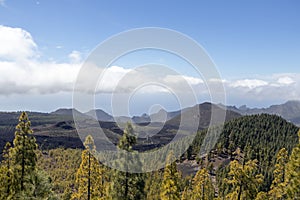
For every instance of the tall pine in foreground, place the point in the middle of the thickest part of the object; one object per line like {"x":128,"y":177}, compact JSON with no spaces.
{"x":152,"y":185}
{"x":23,"y":155}
{"x":126,"y":185}
{"x":170,"y":188}
{"x":278,"y":185}
{"x":5,"y":172}
{"x":293,"y":173}
{"x":202,"y":186}
{"x":90,"y":177}
{"x":243,"y":180}
{"x":22,"y":179}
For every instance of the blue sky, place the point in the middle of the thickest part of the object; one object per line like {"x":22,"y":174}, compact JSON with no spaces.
{"x":255,"y":40}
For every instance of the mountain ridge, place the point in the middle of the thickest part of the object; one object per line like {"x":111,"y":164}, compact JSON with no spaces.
{"x":289,"y":110}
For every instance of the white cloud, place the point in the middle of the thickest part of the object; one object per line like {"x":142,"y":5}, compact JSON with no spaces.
{"x":110,"y":78}
{"x":276,"y":87}
{"x":16,"y":44}
{"x":75,"y":57}
{"x":152,"y":89}
{"x":285,"y":80}
{"x":22,"y":72}
{"x":193,"y":80}
{"x":217,"y":80}
{"x":179,"y":79}
{"x":36,"y":77}
{"x":248,"y":83}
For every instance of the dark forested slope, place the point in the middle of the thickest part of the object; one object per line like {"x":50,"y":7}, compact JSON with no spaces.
{"x":257,"y":137}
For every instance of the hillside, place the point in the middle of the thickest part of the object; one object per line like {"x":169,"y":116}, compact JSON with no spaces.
{"x":100,"y":115}
{"x":57,"y":129}
{"x":162,"y":115}
{"x":254,"y":135}
{"x":257,"y":136}
{"x":289,"y":111}
{"x":205,"y":110}
{"x":51,"y":129}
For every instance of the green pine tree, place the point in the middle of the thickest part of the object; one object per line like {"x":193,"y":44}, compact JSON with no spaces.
{"x":126,"y":185}
{"x":23,"y":156}
{"x":62,"y":166}
{"x":90,"y":176}
{"x":42,"y":187}
{"x":202,"y":186}
{"x":152,"y":185}
{"x":5,"y":172}
{"x":262,"y":196}
{"x":170,"y":189}
{"x":243,"y":180}
{"x":278,"y":185}
{"x":23,"y":179}
{"x":293,"y":173}
{"x":186,"y":194}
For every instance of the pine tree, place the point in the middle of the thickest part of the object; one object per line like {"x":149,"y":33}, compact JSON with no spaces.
{"x":202,"y":186}
{"x":126,"y":185}
{"x":278,"y":185}
{"x":90,"y":176}
{"x":62,"y":166}
{"x":5,"y":172}
{"x":293,"y":173}
{"x":23,"y":156}
{"x":152,"y":185}
{"x":128,"y":139}
{"x":42,"y":187}
{"x":186,"y":194}
{"x":22,"y":178}
{"x":243,"y":180}
{"x":262,"y":196}
{"x":170,"y":189}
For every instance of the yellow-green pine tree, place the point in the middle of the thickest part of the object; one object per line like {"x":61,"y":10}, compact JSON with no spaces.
{"x":5,"y":172}
{"x":23,"y":156}
{"x":243,"y":180}
{"x":170,"y":189}
{"x":277,"y":190}
{"x":186,"y":194}
{"x":293,"y":173}
{"x":202,"y":186}
{"x":126,"y":185}
{"x":262,"y":196}
{"x":23,"y":180}
{"x":152,"y":185}
{"x":90,"y":177}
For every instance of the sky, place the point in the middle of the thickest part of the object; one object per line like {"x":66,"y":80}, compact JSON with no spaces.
{"x":255,"y":46}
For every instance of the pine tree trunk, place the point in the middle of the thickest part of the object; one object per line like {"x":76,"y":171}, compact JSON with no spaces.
{"x":89,"y":179}
{"x":23,"y":165}
{"x":240,"y":192}
{"x":8,"y":174}
{"x":126,"y":185}
{"x":202,"y":192}
{"x":241,"y":186}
